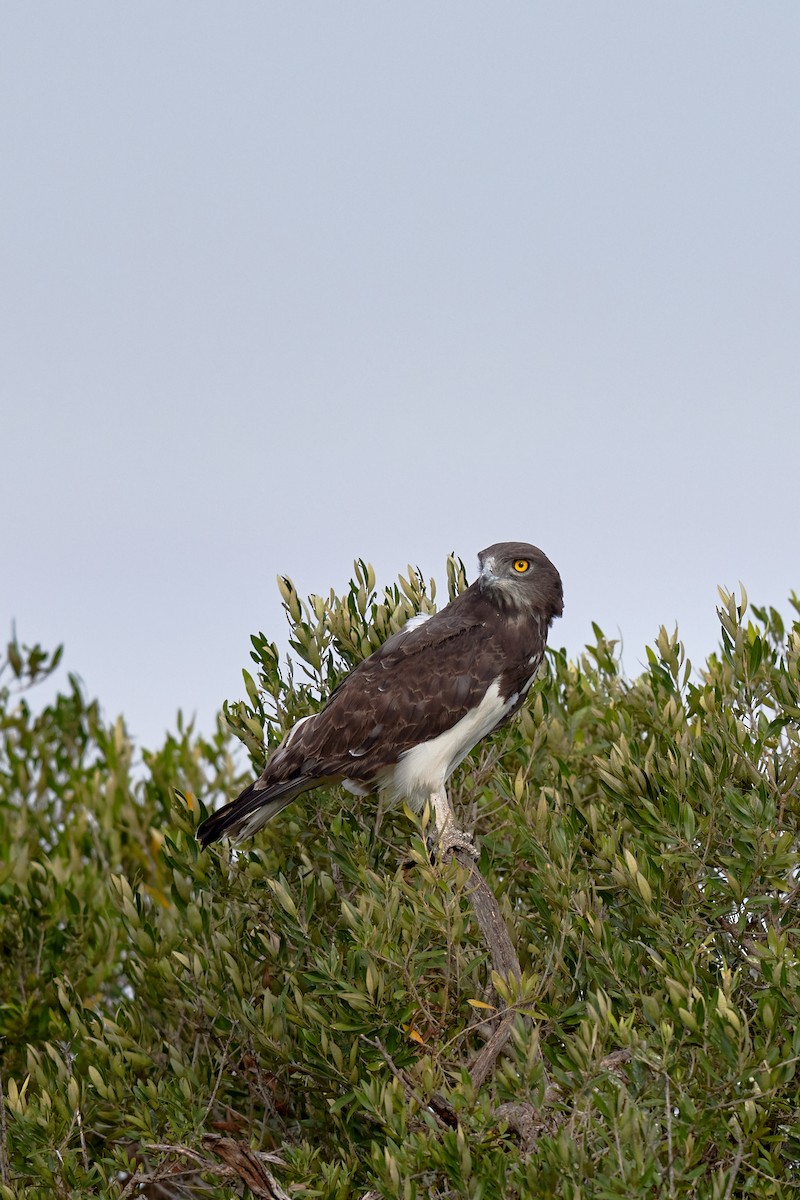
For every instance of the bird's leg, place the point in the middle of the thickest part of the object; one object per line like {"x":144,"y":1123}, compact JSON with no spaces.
{"x":449,"y":836}
{"x":378,"y":815}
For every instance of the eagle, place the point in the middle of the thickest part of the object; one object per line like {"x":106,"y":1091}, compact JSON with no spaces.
{"x":404,"y":718}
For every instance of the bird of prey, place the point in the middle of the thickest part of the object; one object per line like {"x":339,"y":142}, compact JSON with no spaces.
{"x":404,"y":718}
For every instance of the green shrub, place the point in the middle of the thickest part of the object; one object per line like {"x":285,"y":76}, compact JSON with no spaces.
{"x":320,"y":996}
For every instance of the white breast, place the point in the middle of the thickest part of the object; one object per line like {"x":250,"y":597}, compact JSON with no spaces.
{"x":424,"y":769}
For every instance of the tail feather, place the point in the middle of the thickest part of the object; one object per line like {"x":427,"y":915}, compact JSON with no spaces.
{"x":251,"y":810}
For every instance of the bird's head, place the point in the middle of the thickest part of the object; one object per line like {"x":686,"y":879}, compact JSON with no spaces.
{"x":518,"y":576}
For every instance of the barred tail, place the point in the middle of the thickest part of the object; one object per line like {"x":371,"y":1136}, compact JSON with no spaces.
{"x":256,"y":805}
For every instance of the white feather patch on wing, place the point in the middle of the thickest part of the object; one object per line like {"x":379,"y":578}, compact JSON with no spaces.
{"x":415,"y":622}
{"x":296,"y":726}
{"x":423,"y":769}
{"x":411,"y":623}
{"x":289,"y":738}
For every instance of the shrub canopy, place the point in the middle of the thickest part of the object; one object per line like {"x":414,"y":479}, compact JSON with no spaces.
{"x":321,"y":994}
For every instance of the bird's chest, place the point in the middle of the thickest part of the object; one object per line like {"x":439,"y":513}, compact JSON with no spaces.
{"x":423,"y":769}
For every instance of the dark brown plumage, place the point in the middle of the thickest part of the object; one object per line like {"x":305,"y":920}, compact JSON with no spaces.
{"x":404,"y":718}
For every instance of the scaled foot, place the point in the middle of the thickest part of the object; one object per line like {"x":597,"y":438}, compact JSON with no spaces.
{"x":451,"y":839}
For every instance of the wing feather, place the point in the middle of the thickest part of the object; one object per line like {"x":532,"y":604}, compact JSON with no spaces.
{"x":416,"y":686}
{"x":413,"y":688}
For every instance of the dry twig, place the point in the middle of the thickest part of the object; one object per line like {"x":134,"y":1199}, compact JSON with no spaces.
{"x":249,"y":1165}
{"x":239,"y":1164}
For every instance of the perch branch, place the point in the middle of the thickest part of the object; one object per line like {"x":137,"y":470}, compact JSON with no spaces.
{"x":504,"y":959}
{"x":490,"y":919}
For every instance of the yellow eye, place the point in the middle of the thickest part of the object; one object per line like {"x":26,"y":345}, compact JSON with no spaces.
{"x":521,"y":565}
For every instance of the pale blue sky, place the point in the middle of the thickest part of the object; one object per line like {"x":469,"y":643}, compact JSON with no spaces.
{"x":288,"y":283}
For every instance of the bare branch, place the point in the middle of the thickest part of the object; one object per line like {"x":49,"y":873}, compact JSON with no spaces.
{"x":248,"y":1165}
{"x":489,"y":918}
{"x":4,"y":1172}
{"x":504,"y":960}
{"x":483,"y":1065}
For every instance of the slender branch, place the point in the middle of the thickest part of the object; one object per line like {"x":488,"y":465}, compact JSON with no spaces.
{"x":504,"y":960}
{"x":4,"y":1171}
{"x":737,"y":1162}
{"x":249,"y":1165}
{"x":240,"y":1164}
{"x":483,"y":1065}
{"x":670,"y":1157}
{"x":443,"y":1111}
{"x":490,"y":919}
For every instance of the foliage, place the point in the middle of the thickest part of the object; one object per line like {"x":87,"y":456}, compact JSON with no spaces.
{"x":322,"y":992}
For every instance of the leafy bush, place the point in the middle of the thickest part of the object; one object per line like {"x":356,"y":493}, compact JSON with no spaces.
{"x":303,"y":1015}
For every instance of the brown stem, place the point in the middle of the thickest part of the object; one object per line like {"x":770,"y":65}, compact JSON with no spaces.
{"x":489,"y":918}
{"x":504,"y":960}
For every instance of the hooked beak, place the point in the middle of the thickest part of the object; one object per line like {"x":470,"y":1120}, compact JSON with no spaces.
{"x":488,"y":574}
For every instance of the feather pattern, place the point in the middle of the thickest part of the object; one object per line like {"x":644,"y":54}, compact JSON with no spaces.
{"x":442,"y":683}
